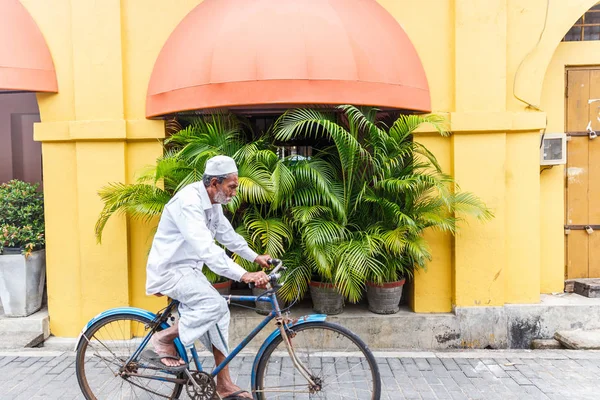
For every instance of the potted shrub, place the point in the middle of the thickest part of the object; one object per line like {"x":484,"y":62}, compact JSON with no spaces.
{"x":364,"y":202}
{"x":22,"y":254}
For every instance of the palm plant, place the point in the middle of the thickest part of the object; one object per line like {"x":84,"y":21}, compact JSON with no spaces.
{"x":362,"y":204}
{"x":262,"y":182}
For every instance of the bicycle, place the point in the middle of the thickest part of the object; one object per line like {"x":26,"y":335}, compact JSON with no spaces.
{"x":109,"y":362}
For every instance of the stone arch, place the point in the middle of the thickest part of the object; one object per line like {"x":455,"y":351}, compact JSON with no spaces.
{"x":530,"y":78}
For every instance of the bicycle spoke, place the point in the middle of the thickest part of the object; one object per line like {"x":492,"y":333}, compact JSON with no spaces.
{"x":103,"y":360}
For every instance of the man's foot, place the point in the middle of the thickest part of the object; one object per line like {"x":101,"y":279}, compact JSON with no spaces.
{"x":164,"y":347}
{"x":232,"y":391}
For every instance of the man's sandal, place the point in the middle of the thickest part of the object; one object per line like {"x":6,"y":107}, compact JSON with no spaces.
{"x":156,"y":360}
{"x":235,"y":396}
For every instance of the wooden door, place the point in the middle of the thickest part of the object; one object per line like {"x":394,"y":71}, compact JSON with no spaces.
{"x":583,"y":174}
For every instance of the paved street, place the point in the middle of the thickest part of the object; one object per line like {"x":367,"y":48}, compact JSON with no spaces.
{"x":462,"y":375}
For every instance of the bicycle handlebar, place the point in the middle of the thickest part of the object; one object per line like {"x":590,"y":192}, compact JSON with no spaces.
{"x":273,"y":278}
{"x":274,"y":275}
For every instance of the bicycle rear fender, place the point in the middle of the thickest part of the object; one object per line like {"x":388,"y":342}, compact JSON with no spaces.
{"x":130,"y":311}
{"x":302,"y":320}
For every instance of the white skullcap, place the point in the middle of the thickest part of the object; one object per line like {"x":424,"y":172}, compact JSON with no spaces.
{"x":220,"y":165}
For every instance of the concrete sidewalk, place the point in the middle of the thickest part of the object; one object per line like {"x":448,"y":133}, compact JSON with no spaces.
{"x":489,"y":375}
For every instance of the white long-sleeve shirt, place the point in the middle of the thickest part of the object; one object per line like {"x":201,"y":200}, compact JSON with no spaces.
{"x":186,"y":236}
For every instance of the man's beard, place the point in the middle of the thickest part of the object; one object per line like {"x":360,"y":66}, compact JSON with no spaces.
{"x":221,"y":198}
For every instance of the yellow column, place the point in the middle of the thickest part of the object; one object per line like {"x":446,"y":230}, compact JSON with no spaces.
{"x":84,"y":148}
{"x":522,"y":277}
{"x":480,"y":249}
{"x":479,"y":158}
{"x":432,"y":288}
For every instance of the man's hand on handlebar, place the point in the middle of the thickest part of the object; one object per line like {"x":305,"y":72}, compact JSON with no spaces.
{"x":260,"y":279}
{"x":263,"y":261}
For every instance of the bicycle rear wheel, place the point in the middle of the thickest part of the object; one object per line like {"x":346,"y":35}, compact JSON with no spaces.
{"x":346,"y":370}
{"x":101,"y":358}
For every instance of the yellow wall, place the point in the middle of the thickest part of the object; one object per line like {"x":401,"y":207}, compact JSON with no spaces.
{"x":478,"y":56}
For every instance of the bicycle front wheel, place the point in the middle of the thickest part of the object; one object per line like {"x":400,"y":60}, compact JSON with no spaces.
{"x":100,"y":362}
{"x":338,"y":362}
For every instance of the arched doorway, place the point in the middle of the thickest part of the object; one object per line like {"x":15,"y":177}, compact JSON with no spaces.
{"x":26,"y":67}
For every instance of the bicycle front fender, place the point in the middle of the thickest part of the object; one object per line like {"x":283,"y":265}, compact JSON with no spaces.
{"x":302,"y":320}
{"x":130,"y":311}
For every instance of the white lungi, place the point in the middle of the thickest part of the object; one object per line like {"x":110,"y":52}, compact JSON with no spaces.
{"x":203,"y":312}
{"x":184,"y":242}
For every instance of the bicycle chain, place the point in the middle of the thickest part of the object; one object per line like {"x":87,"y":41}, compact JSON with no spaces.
{"x":207,"y":389}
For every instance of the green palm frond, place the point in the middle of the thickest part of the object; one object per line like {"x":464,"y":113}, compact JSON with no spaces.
{"x":255,"y":184}
{"x":273,"y":234}
{"x":355,"y":264}
{"x":138,"y":201}
{"x":469,"y":204}
{"x":284,"y":184}
{"x":296,"y":277}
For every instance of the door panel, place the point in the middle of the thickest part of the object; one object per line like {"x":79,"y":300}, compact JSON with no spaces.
{"x":583,"y":173}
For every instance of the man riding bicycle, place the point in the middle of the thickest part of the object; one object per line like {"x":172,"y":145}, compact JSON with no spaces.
{"x":185,"y":242}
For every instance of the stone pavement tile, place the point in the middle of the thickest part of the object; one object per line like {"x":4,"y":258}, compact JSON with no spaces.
{"x":450,"y":364}
{"x":462,"y":361}
{"x":449,"y":384}
{"x":535,"y":393}
{"x":529,"y":373}
{"x":497,"y":371}
{"x":468,"y":370}
{"x":460,"y":378}
{"x":385,"y":370}
{"x":419,"y":383}
{"x":434,"y":361}
{"x":440,"y":391}
{"x":410,"y":393}
{"x":427,"y":394}
{"x":413,"y":371}
{"x":395,"y":364}
{"x":458,"y":396}
{"x":506,"y":365}
{"x":519,"y":378}
{"x":6,"y":360}
{"x":422,"y":364}
{"x":473,"y":393}
{"x":430,"y":377}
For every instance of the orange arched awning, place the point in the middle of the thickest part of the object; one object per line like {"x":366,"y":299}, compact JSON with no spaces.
{"x":231,"y":53}
{"x":25,"y":61}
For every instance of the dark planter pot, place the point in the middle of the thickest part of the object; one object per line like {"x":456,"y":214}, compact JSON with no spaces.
{"x":12,"y":250}
{"x":384,"y":299}
{"x":326,"y":299}
{"x":224,"y":288}
{"x":262,"y":307}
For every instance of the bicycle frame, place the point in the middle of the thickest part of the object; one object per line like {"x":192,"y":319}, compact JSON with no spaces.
{"x":274,"y":314}
{"x":161,"y":321}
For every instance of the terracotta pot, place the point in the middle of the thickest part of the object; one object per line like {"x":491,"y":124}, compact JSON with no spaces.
{"x":385,"y":299}
{"x":224,"y":288}
{"x":326,"y":299}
